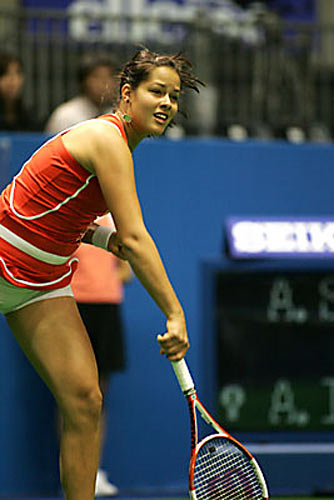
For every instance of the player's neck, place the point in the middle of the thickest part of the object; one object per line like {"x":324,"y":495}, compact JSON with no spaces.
{"x":134,"y":138}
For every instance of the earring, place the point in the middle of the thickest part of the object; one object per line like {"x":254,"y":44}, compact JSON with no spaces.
{"x":126,"y":117}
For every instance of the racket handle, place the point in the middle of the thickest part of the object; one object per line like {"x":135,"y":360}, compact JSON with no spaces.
{"x":183,"y":376}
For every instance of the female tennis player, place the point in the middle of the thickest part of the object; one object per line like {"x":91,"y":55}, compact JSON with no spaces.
{"x":47,"y":210}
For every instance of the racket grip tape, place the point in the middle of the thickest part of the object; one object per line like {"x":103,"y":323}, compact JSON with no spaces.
{"x":183,"y":376}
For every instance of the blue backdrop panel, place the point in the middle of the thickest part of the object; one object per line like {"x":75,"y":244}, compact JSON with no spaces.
{"x":187,"y":189}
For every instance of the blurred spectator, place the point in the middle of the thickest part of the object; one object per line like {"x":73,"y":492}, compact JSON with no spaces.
{"x":96,"y":78}
{"x":98,"y":289}
{"x":14,"y":116}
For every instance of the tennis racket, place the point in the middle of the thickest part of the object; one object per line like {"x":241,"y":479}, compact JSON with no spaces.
{"x":220,"y":467}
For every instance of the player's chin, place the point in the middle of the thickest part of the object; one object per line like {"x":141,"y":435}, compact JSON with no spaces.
{"x":158,"y":131}
{"x":159,"y":127}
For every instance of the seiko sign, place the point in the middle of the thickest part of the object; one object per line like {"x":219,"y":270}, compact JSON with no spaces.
{"x":285,"y":237}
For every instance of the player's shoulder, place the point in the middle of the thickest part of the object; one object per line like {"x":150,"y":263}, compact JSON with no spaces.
{"x":97,"y":139}
{"x":99,"y":129}
{"x":112,"y":122}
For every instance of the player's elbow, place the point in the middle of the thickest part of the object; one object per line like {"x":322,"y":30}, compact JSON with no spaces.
{"x":131,"y":242}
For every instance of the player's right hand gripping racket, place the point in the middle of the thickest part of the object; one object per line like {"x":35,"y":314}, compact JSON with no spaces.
{"x":220,"y":467}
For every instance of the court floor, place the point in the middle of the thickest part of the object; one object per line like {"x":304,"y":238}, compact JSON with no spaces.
{"x":138,"y":497}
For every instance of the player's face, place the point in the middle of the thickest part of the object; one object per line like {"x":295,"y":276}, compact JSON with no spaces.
{"x":154,"y":103}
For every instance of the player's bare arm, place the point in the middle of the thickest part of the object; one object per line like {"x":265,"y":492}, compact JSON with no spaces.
{"x":109,"y":158}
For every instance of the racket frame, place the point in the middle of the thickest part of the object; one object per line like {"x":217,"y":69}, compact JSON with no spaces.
{"x":188,"y":388}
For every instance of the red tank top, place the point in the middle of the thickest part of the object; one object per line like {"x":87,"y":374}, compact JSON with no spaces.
{"x":44,"y":213}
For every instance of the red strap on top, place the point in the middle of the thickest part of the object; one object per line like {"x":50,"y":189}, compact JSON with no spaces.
{"x":116,"y":121}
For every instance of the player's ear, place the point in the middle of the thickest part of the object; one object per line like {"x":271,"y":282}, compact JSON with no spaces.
{"x":126,"y":92}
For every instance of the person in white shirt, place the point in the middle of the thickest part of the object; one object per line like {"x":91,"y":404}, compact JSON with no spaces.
{"x":97,"y":78}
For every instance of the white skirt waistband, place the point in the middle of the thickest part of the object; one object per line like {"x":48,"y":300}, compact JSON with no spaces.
{"x":28,"y":248}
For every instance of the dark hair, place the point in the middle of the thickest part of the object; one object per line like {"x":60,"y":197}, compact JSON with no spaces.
{"x":89,"y":62}
{"x":24,"y":119}
{"x":139,"y":67}
{"x":6,"y":59}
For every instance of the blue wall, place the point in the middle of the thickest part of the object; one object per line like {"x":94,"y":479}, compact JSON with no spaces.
{"x":187,"y":189}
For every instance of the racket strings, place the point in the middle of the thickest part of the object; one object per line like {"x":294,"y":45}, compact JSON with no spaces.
{"x":223,"y":472}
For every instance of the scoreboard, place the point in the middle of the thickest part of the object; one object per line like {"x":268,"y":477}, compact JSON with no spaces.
{"x":275,"y":350}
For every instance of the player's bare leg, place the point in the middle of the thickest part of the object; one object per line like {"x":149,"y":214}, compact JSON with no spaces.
{"x":104,"y":385}
{"x":55,"y":341}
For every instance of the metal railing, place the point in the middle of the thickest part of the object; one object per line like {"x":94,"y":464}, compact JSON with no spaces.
{"x":263,"y":76}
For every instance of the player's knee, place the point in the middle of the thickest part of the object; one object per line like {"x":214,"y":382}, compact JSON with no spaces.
{"x":83,"y":408}
{"x":92,"y":402}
